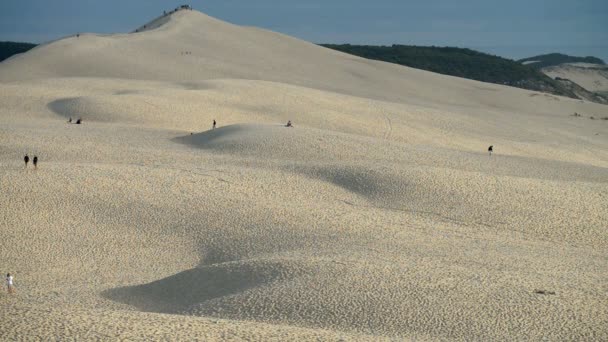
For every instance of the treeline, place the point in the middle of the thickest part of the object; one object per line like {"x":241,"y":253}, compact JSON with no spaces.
{"x":7,"y":49}
{"x":459,"y":62}
{"x":551,"y":59}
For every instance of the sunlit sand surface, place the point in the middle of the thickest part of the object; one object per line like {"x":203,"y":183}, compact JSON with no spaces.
{"x":380,"y":214}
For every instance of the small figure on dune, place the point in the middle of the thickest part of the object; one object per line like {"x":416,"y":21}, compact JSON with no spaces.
{"x":289,"y":124}
{"x":78,"y":35}
{"x":70,"y":120}
{"x":491,"y":149}
{"x":214,"y":124}
{"x":26,"y":159}
{"x":35,"y":161}
{"x":9,"y":283}
{"x":79,"y":121}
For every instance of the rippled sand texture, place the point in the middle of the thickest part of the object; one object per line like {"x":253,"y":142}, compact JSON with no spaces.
{"x":379,"y":215}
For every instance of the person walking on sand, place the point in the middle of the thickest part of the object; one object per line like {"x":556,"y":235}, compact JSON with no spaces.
{"x":491,"y":149}
{"x":35,"y":161}
{"x":9,"y":283}
{"x":214,"y":123}
{"x":289,"y":124}
{"x":26,"y":159}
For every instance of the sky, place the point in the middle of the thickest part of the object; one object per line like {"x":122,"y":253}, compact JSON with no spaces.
{"x":509,"y":28}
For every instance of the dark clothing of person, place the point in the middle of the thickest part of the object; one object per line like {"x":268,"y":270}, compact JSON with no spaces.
{"x":35,"y":161}
{"x":26,"y":159}
{"x":214,"y":123}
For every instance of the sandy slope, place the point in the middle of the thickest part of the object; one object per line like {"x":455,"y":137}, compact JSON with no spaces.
{"x":592,"y":77}
{"x":379,"y":215}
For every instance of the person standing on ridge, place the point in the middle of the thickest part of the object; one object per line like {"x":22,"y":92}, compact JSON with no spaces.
{"x":491,"y":149}
{"x":214,"y":123}
{"x":26,"y":159}
{"x":35,"y":161}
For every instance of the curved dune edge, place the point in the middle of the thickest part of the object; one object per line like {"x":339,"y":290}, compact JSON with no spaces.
{"x":179,"y":293}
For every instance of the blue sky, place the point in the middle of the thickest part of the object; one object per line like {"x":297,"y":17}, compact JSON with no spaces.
{"x":509,"y":28}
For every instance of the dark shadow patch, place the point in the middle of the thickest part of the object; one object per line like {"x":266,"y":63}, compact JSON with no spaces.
{"x":196,"y":85}
{"x":544,"y":292}
{"x":205,"y":139}
{"x":127,"y":92}
{"x":65,"y":107}
{"x":180,"y":293}
{"x":365,"y":182}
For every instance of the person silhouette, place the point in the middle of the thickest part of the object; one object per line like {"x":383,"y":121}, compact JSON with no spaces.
{"x":35,"y":161}
{"x":9,"y":283}
{"x":491,"y":149}
{"x":289,"y":124}
{"x":70,"y":120}
{"x":214,"y":124}
{"x":26,"y":159}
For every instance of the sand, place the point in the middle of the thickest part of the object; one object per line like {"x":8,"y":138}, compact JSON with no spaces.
{"x":593,"y":77}
{"x":380,"y":215}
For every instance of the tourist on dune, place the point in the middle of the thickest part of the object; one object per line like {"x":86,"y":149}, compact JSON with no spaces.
{"x":9,"y":283}
{"x":491,"y":149}
{"x":214,"y":124}
{"x":79,"y":121}
{"x":35,"y":161}
{"x":26,"y":159}
{"x":289,"y":124}
{"x":70,"y":120}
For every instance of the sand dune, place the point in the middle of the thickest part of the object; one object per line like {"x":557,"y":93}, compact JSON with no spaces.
{"x":593,"y":77}
{"x":380,"y":215}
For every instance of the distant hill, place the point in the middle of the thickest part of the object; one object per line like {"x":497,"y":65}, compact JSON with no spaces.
{"x":8,"y":49}
{"x":552,"y":59}
{"x":461,"y":62}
